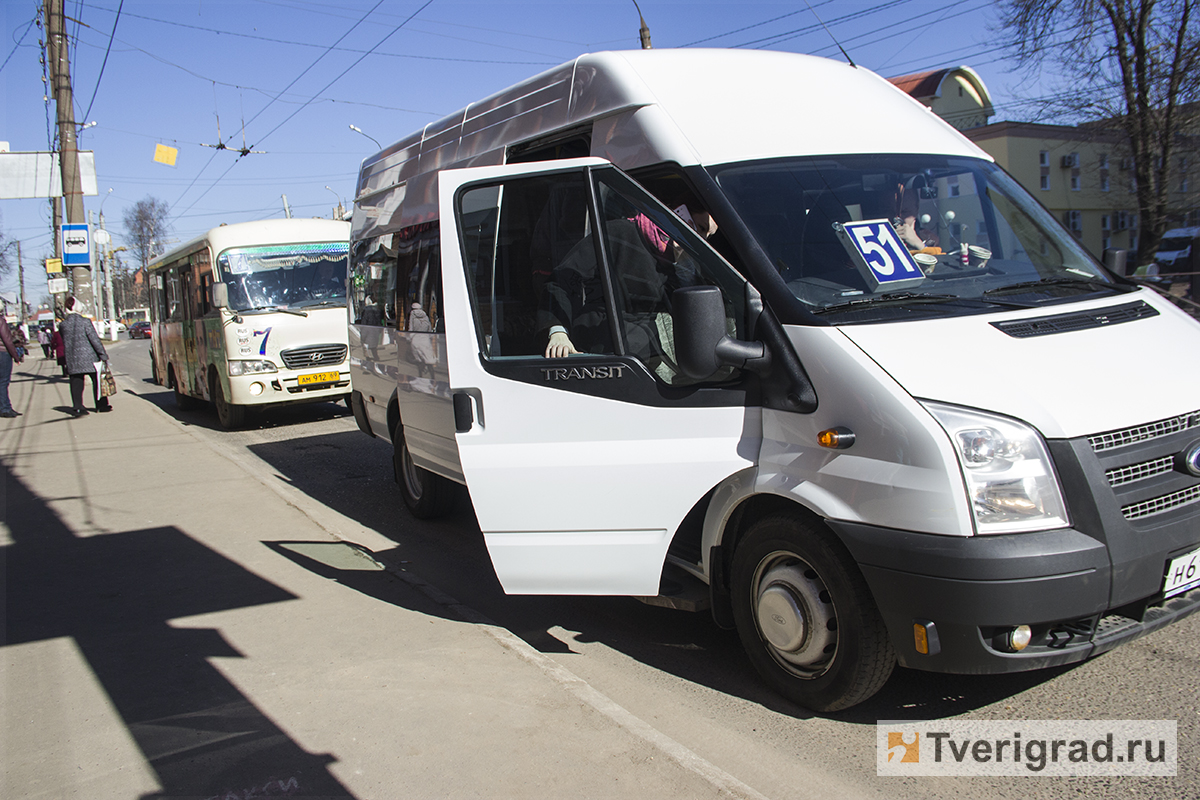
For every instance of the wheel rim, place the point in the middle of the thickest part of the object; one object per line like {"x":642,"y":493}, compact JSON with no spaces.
{"x":408,"y":472}
{"x":795,"y":615}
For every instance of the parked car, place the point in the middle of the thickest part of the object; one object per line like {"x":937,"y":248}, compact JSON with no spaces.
{"x":139,"y":330}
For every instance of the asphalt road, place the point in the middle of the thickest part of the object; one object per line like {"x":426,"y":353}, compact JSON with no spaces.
{"x":677,"y":672}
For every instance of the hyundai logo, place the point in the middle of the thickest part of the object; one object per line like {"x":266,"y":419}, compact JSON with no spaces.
{"x":1189,"y":460}
{"x":315,"y":358}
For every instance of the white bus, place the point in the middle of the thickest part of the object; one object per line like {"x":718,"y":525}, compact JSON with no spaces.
{"x":253,"y":314}
{"x":763,"y":321}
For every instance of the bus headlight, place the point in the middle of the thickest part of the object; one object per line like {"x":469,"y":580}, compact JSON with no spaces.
{"x":250,"y":368}
{"x":1011,"y":483}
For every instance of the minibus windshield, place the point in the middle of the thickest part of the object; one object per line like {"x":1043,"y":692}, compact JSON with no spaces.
{"x":282,"y":276}
{"x":962,"y":234}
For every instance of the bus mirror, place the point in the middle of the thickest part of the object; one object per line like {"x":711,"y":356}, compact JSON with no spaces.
{"x":220,"y":295}
{"x":702,"y":345}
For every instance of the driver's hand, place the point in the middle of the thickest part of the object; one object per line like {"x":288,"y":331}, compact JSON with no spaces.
{"x":560,"y":346}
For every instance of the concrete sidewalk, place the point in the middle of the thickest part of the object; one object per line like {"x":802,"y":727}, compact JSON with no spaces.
{"x":177,"y":627}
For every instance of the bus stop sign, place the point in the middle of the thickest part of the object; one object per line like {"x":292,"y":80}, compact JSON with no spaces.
{"x":76,"y":249}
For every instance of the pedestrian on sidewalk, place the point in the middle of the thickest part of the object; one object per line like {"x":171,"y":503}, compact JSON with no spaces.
{"x":44,"y":341}
{"x":84,"y":351}
{"x":8,"y":357}
{"x":58,"y":348}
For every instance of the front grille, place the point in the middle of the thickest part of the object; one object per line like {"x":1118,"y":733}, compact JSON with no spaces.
{"x":1139,"y":472}
{"x":317,"y":355}
{"x":1161,"y":505}
{"x":1106,"y":441}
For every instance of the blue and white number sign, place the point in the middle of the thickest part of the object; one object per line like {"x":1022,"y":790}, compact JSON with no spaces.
{"x":879,"y":254}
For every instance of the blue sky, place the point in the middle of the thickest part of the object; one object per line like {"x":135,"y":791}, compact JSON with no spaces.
{"x":298,"y":73}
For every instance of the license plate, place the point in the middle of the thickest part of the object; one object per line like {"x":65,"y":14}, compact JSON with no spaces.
{"x":318,"y":377}
{"x":1183,"y":573}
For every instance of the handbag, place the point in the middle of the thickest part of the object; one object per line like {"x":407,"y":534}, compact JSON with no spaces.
{"x":108,"y":384}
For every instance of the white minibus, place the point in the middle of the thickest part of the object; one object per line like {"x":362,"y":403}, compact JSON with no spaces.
{"x":761,"y":324}
{"x":253,"y":315}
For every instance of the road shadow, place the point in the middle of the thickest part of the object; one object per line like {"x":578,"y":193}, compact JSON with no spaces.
{"x":114,"y":595}
{"x":203,"y":415}
{"x":351,"y":473}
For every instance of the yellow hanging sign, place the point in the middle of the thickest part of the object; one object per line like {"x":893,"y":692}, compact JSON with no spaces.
{"x":165,"y":155}
{"x":53,"y":266}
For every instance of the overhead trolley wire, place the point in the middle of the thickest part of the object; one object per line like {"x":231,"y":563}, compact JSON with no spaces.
{"x":104,"y":63}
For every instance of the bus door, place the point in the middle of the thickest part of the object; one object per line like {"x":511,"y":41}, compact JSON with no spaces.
{"x":581,"y":465}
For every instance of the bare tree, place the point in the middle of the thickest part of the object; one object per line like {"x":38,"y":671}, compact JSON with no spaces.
{"x":147,"y":224}
{"x":1132,"y":65}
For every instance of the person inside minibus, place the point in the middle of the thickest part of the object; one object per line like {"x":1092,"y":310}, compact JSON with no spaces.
{"x":649,"y":265}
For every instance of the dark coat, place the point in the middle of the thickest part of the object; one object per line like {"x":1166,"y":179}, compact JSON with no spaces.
{"x":82,"y":344}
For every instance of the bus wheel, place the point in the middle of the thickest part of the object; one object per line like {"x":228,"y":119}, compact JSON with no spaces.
{"x":806,"y":617}
{"x":428,"y":496}
{"x":182,"y":401}
{"x":229,"y":415}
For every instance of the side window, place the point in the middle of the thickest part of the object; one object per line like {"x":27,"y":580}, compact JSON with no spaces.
{"x":419,"y":278}
{"x":651,"y":253}
{"x":175,"y":311}
{"x":373,"y":282}
{"x":530,"y":268}
{"x":537,"y":288}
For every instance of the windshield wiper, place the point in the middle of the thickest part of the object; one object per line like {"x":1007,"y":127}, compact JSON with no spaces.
{"x":1089,"y":283}
{"x":899,"y":298}
{"x":284,"y":309}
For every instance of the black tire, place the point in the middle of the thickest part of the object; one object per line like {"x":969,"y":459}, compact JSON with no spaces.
{"x":182,"y":401}
{"x":427,"y":495}
{"x":229,"y":415}
{"x":806,"y":616}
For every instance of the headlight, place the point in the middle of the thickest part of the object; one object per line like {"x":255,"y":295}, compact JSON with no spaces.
{"x":1010,"y":479}
{"x":250,"y":367}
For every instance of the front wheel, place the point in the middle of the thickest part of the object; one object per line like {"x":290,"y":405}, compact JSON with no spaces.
{"x":229,"y":415}
{"x":427,"y":495}
{"x":806,"y":617}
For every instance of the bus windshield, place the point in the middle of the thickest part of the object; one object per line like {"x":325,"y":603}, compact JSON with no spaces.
{"x":967,"y":237}
{"x":294,"y":275}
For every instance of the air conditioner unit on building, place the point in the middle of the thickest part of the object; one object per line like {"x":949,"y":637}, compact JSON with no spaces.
{"x":1070,"y":161}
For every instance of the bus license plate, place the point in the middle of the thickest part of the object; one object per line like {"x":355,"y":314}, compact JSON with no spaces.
{"x":1183,"y":573}
{"x":318,"y":377}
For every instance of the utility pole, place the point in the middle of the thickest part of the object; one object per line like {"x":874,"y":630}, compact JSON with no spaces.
{"x":68,"y":151}
{"x":21,"y":279}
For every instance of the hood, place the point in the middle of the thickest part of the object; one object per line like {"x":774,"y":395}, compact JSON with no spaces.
{"x":1066,"y":384}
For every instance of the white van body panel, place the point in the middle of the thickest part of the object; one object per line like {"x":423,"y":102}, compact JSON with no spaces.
{"x":576,"y":503}
{"x":968,"y":362}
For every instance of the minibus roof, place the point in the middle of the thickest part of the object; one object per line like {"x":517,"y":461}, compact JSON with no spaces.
{"x":695,"y":106}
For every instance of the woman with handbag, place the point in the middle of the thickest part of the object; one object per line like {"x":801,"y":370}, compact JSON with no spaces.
{"x":83,"y":350}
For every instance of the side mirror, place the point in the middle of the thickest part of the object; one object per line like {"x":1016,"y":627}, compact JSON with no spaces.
{"x":220,"y":295}
{"x":1115,"y":260}
{"x":702,"y":345}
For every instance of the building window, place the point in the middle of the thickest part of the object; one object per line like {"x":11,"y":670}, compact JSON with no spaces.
{"x":1073,"y":220}
{"x":1105,"y":222}
{"x":952,"y":184}
{"x":1044,"y":159}
{"x":1074,"y":182}
{"x":1103,"y":157}
{"x":1045,"y":182}
{"x":1104,"y":185}
{"x":1105,"y":243}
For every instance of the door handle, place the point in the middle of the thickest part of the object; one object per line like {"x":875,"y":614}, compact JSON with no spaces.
{"x":464,"y":412}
